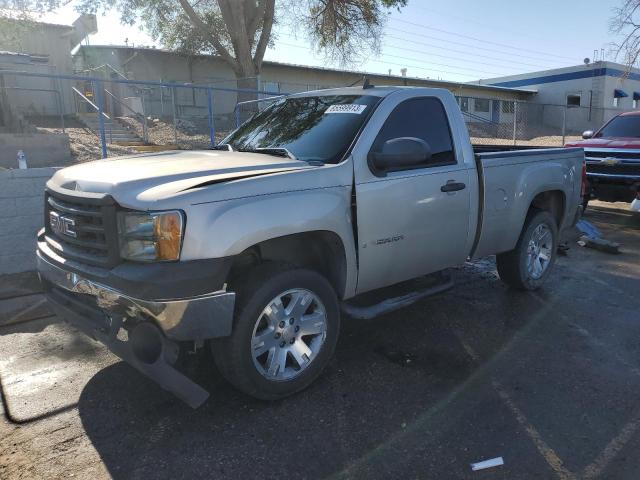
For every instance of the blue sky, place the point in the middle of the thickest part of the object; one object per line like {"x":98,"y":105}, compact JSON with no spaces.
{"x":458,"y":40}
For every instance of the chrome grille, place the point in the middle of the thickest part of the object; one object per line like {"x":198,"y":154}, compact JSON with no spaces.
{"x":93,"y":239}
{"x":620,"y":169}
{"x":631,"y":155}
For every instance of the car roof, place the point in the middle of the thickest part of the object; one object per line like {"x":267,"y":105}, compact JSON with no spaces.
{"x":382,"y":91}
{"x":630,"y":114}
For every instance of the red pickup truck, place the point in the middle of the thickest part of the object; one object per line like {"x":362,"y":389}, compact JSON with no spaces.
{"x":613,"y":159}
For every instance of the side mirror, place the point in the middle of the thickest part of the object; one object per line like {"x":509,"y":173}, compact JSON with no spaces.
{"x":587,"y":134}
{"x":400,"y":153}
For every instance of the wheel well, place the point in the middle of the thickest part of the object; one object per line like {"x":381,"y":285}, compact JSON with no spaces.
{"x":321,"y":251}
{"x":552,"y":201}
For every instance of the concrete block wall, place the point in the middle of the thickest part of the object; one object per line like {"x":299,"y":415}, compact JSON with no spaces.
{"x":21,"y":216}
{"x":41,"y":149}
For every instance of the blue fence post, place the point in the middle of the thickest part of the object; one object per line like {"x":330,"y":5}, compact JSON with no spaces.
{"x":100,"y":102}
{"x":212,"y":127}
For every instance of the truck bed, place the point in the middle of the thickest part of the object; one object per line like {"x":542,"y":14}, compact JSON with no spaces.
{"x":505,"y":178}
{"x":482,"y":148}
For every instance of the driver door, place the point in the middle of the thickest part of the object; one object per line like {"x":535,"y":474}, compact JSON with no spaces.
{"x":410,"y":223}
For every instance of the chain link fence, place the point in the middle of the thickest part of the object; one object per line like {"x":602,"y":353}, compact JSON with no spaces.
{"x":116,"y":116}
{"x":509,"y":122}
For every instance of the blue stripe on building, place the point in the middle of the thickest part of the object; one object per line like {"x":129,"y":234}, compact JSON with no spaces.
{"x":561,"y":77}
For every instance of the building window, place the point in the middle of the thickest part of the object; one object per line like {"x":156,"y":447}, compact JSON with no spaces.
{"x":573,"y":100}
{"x":482,"y":105}
{"x":507,"y":106}
{"x":271,"y":87}
{"x":464,"y":103}
{"x":635,"y":104}
{"x":615,"y":102}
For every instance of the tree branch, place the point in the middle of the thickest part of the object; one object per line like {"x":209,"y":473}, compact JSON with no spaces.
{"x":208,"y":34}
{"x":255,"y":19}
{"x":265,"y":34}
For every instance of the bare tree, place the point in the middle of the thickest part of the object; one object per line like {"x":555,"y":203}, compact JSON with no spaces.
{"x":625,"y":24}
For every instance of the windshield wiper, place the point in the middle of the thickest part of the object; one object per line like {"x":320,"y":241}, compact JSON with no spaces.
{"x":277,"y":151}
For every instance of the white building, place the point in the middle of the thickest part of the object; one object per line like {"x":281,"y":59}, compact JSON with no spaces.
{"x":592,"y":93}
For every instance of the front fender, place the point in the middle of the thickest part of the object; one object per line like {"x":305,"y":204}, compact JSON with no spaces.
{"x":227,"y":228}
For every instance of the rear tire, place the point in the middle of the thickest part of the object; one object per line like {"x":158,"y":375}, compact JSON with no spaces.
{"x":527,"y":266}
{"x":285,"y":331}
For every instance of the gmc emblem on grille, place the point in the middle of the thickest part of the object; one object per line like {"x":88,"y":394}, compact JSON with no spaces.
{"x":63,"y":225}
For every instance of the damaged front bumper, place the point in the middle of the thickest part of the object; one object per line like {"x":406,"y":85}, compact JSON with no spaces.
{"x":144,"y":333}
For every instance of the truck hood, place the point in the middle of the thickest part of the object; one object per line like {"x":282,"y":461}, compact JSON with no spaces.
{"x":612,"y":142}
{"x":157,"y":176}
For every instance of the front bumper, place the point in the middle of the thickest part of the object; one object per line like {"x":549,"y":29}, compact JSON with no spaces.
{"x":195,"y":318}
{"x":144,"y":333}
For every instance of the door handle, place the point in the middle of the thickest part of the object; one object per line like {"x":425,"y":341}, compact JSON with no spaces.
{"x":452,"y":186}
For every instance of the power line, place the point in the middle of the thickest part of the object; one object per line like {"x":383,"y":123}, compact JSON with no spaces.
{"x":415,"y":60}
{"x":402,"y":64}
{"x":440,"y":64}
{"x":445,"y":56}
{"x":504,"y":45}
{"x":481,"y":23}
{"x":449,"y":56}
{"x":475,"y":55}
{"x":493,"y":50}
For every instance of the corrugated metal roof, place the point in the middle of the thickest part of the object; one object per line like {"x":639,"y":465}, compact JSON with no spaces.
{"x":442,"y":83}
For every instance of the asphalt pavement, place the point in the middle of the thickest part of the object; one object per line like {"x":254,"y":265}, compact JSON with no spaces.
{"x":549,"y":381}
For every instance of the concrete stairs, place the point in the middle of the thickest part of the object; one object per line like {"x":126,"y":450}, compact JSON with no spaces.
{"x":115,"y":132}
{"x":120,"y":134}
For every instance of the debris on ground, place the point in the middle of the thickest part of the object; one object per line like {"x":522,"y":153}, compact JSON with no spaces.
{"x":493,"y":462}
{"x":599,"y":244}
{"x":592,"y":238}
{"x":588,"y":229}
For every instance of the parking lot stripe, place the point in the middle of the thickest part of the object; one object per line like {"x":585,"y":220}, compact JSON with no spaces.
{"x":550,"y":456}
{"x":601,"y":462}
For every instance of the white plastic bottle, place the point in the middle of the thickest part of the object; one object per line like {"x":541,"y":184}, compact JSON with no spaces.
{"x":22,"y":160}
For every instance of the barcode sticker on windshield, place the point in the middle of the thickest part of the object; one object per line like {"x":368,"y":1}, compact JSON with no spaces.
{"x":346,"y":108}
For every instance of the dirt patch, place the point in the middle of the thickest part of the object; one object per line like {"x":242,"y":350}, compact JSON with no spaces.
{"x":188,"y":135}
{"x":85,"y":145}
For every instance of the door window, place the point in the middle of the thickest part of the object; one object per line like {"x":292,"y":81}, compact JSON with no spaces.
{"x":423,"y":118}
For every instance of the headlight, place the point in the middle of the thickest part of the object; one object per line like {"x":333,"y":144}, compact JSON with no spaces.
{"x":150,"y":237}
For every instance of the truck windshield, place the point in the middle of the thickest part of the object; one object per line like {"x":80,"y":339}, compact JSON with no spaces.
{"x":315,"y":128}
{"x":625,"y":126}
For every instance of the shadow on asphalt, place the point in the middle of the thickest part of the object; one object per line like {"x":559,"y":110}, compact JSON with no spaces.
{"x":402,"y":397}
{"x":386,"y":375}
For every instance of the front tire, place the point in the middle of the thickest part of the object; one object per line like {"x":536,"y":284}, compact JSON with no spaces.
{"x":527,"y":266}
{"x":284,"y":334}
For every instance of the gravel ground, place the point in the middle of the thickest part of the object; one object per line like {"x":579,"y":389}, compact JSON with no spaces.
{"x":547,"y":380}
{"x":162,"y":133}
{"x":85,"y":145}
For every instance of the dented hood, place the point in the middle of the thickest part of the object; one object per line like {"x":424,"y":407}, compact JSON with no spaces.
{"x":149,"y":178}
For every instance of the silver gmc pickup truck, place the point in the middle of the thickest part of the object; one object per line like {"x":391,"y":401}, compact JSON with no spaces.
{"x":254,"y":248}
